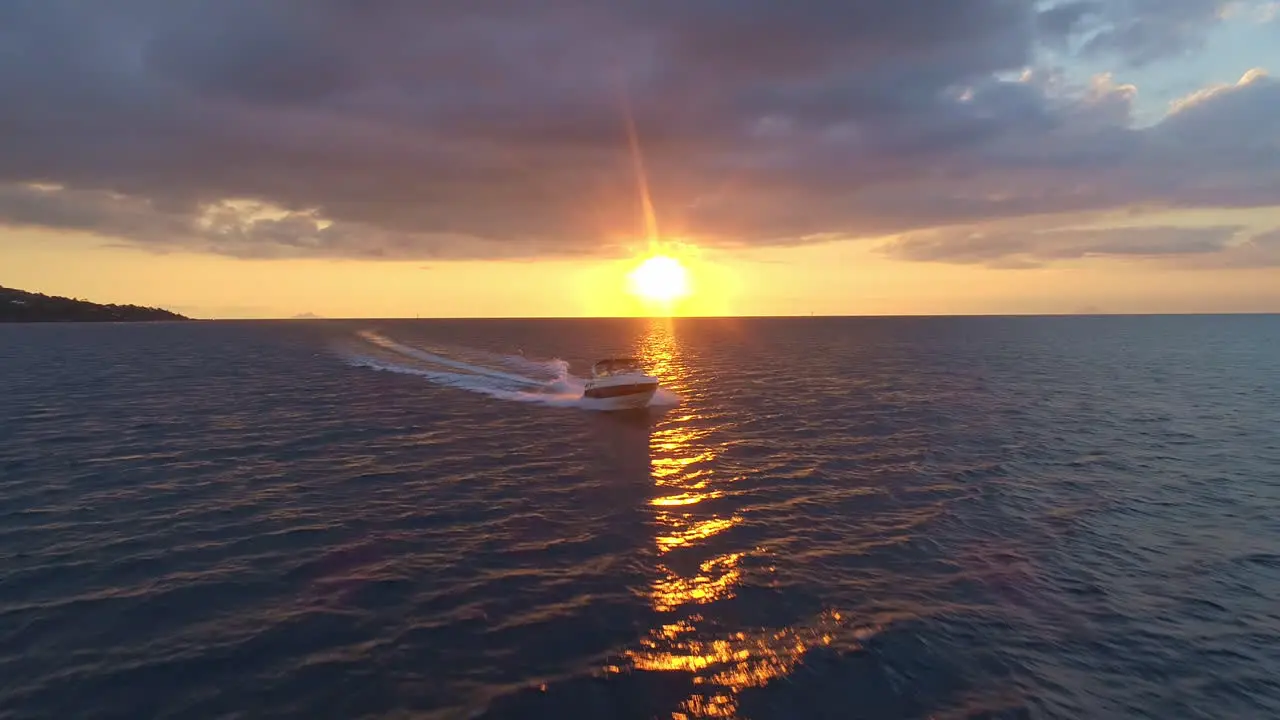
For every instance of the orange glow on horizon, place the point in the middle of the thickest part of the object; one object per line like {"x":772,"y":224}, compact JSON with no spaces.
{"x":834,"y":278}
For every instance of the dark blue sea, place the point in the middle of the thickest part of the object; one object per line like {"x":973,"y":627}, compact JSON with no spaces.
{"x":822,"y":518}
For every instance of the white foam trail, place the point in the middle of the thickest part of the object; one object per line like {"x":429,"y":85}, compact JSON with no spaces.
{"x":475,"y":384}
{"x":394,"y":346}
{"x":558,"y":388}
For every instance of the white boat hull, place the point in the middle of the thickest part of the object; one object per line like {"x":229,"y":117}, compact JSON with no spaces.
{"x":619,"y":384}
{"x":627,"y":391}
{"x":630,"y":401}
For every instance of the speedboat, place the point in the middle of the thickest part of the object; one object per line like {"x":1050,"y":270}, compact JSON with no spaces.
{"x":620,"y":384}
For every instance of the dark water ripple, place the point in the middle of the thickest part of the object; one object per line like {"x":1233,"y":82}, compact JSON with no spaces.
{"x":901,"y":518}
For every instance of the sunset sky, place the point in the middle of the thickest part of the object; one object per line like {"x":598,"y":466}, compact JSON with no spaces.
{"x":237,"y":158}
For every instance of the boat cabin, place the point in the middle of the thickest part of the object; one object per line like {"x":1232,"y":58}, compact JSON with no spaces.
{"x":617,"y":366}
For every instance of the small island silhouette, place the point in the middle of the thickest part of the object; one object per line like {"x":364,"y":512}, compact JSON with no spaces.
{"x":21,"y":306}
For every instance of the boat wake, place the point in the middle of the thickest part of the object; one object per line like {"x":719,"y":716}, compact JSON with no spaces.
{"x":546,"y":382}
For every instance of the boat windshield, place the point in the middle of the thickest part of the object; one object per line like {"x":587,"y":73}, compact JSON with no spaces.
{"x":616,"y":366}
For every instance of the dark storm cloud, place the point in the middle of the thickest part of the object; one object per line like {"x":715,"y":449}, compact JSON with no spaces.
{"x":479,"y":128}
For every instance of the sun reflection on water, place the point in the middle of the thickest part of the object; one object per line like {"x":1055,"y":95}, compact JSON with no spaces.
{"x":698,"y":564}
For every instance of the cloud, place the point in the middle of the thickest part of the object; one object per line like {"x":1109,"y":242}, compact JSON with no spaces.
{"x":1141,"y":32}
{"x":1259,"y":12}
{"x":484,"y":129}
{"x":1229,"y":114}
{"x":1260,"y":251}
{"x":1023,"y":248}
{"x":1145,"y":31}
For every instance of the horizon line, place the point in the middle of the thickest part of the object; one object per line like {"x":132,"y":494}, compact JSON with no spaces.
{"x":745,"y":317}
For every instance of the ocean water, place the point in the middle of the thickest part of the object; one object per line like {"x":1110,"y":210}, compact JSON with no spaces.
{"x":825,"y":518}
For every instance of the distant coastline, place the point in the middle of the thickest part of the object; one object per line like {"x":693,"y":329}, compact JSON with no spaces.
{"x":18,"y":306}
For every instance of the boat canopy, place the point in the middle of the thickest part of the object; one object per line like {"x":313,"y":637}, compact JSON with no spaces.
{"x":615,"y":366}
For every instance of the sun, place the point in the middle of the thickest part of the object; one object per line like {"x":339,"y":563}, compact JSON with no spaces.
{"x":660,"y":279}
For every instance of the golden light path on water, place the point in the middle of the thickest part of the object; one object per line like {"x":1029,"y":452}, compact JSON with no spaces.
{"x":682,"y":465}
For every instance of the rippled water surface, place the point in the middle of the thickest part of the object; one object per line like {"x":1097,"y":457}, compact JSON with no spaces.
{"x":853,"y":518}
